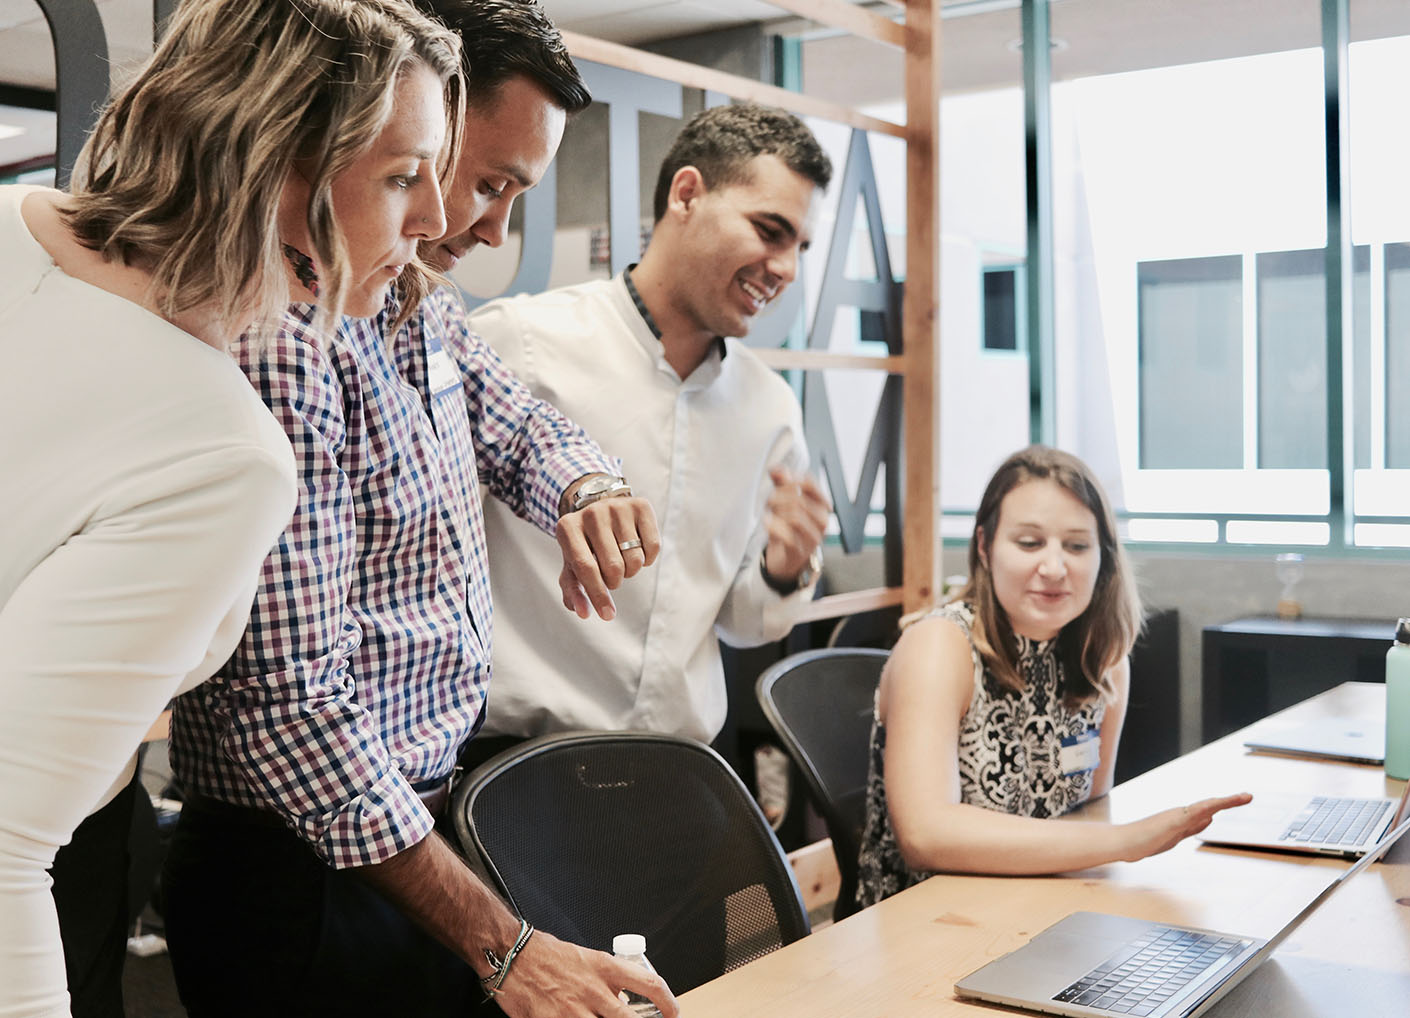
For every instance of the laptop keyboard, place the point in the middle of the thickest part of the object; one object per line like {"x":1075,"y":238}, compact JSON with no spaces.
{"x":1150,"y":970}
{"x":1335,"y":821}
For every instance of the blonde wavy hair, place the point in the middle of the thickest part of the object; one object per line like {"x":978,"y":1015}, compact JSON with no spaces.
{"x":1095,"y":642}
{"x":184,"y":171}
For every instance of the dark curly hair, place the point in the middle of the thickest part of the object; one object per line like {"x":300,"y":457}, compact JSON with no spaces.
{"x":720,"y":143}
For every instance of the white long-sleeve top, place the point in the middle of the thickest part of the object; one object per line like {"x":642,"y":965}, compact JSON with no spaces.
{"x":142,"y":483}
{"x":700,"y":450}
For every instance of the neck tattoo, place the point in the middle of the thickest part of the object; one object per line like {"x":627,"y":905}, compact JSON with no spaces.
{"x":302,"y":265}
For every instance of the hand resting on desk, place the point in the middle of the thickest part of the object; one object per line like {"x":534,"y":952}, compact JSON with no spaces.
{"x":1165,"y":830}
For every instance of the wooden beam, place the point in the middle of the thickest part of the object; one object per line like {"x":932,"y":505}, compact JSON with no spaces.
{"x":835,"y":606}
{"x":693,"y":75}
{"x":781,"y":359}
{"x":849,"y":18}
{"x":920,"y":326}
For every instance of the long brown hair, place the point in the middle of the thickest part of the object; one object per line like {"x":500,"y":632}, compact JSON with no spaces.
{"x":184,"y":171}
{"x":1095,"y":642}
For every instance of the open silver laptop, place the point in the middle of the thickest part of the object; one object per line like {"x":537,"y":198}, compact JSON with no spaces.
{"x":1091,"y":964}
{"x":1323,"y":739}
{"x":1317,"y":824}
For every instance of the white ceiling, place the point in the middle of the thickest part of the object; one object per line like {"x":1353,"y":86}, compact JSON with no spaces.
{"x":978,"y":37}
{"x":26,"y":57}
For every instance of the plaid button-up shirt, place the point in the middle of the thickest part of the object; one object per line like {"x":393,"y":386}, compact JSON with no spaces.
{"x":366,"y":661}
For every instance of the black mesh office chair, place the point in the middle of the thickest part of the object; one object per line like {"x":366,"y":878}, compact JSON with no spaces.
{"x":819,"y":702}
{"x":879,"y":627}
{"x":593,"y":834}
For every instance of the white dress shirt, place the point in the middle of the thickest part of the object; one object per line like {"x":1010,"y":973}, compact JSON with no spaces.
{"x":143,"y":484}
{"x":699,"y":450}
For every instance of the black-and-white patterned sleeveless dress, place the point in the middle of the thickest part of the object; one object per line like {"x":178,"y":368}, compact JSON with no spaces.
{"x":1009,"y":756}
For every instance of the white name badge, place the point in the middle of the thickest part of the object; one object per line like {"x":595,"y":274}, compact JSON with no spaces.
{"x":1081,"y":753}
{"x":441,"y":371}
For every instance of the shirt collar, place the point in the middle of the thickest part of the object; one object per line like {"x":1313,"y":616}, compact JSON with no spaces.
{"x":635,"y":294}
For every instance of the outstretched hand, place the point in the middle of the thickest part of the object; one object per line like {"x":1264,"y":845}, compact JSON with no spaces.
{"x":1163,"y":831}
{"x":594,"y":561}
{"x":554,"y":979}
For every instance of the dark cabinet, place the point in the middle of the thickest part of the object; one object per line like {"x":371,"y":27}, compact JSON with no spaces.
{"x":1257,"y":665}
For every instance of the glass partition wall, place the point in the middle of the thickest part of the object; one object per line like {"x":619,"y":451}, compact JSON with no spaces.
{"x":1190,"y":196}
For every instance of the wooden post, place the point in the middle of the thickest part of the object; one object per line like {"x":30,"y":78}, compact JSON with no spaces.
{"x":921,"y":315}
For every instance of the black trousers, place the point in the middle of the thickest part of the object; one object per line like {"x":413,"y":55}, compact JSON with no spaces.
{"x":90,"y":891}
{"x":259,"y":926}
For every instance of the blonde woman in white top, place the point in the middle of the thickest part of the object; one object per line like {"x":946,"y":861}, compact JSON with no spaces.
{"x":144,"y":480}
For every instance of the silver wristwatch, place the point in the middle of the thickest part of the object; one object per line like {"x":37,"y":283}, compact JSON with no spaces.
{"x":594,"y":489}
{"x":805,"y":576}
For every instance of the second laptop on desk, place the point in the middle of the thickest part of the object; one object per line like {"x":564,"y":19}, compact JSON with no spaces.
{"x":1316,"y":824}
{"x":1323,"y":739}
{"x":1091,"y":964}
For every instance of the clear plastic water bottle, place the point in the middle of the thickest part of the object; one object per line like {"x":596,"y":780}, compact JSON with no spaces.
{"x":1398,"y":703}
{"x":631,"y":947}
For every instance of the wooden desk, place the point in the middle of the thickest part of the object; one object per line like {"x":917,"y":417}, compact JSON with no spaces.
{"x":902,"y":957}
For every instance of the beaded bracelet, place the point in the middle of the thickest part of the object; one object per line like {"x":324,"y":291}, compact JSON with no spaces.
{"x":495,"y":979}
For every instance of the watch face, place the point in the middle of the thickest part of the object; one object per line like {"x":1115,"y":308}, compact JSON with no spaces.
{"x":597,"y":486}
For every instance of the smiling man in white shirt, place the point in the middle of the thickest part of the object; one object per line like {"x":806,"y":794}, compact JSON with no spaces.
{"x":707,"y":433}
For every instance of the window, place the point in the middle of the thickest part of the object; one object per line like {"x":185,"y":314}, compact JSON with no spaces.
{"x":1189,"y":184}
{"x":1004,"y":308}
{"x":1191,"y":363}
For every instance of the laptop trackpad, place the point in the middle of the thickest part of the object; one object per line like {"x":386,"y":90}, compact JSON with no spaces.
{"x":1052,"y":960}
{"x":1262,"y":820}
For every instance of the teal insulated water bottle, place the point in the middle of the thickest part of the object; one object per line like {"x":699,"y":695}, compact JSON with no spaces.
{"x":1398,"y":703}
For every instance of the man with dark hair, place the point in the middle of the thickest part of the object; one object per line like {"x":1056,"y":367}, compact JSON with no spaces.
{"x":521,"y":86}
{"x":305,"y":877}
{"x":706,"y":431}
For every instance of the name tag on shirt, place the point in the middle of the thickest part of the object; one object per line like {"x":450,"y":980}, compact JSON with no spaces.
{"x":1081,"y":753}
{"x":442,"y":373}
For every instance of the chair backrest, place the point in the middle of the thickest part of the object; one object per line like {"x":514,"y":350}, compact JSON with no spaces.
{"x":820,"y":704}
{"x":879,"y":627}
{"x":592,"y":834}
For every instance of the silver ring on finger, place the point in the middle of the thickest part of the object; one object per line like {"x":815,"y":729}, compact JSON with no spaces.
{"x":635,"y":542}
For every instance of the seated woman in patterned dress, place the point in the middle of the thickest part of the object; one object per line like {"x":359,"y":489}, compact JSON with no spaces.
{"x":1003,"y":708}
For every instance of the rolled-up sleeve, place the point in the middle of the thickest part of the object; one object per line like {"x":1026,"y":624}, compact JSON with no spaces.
{"x":527,"y":451}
